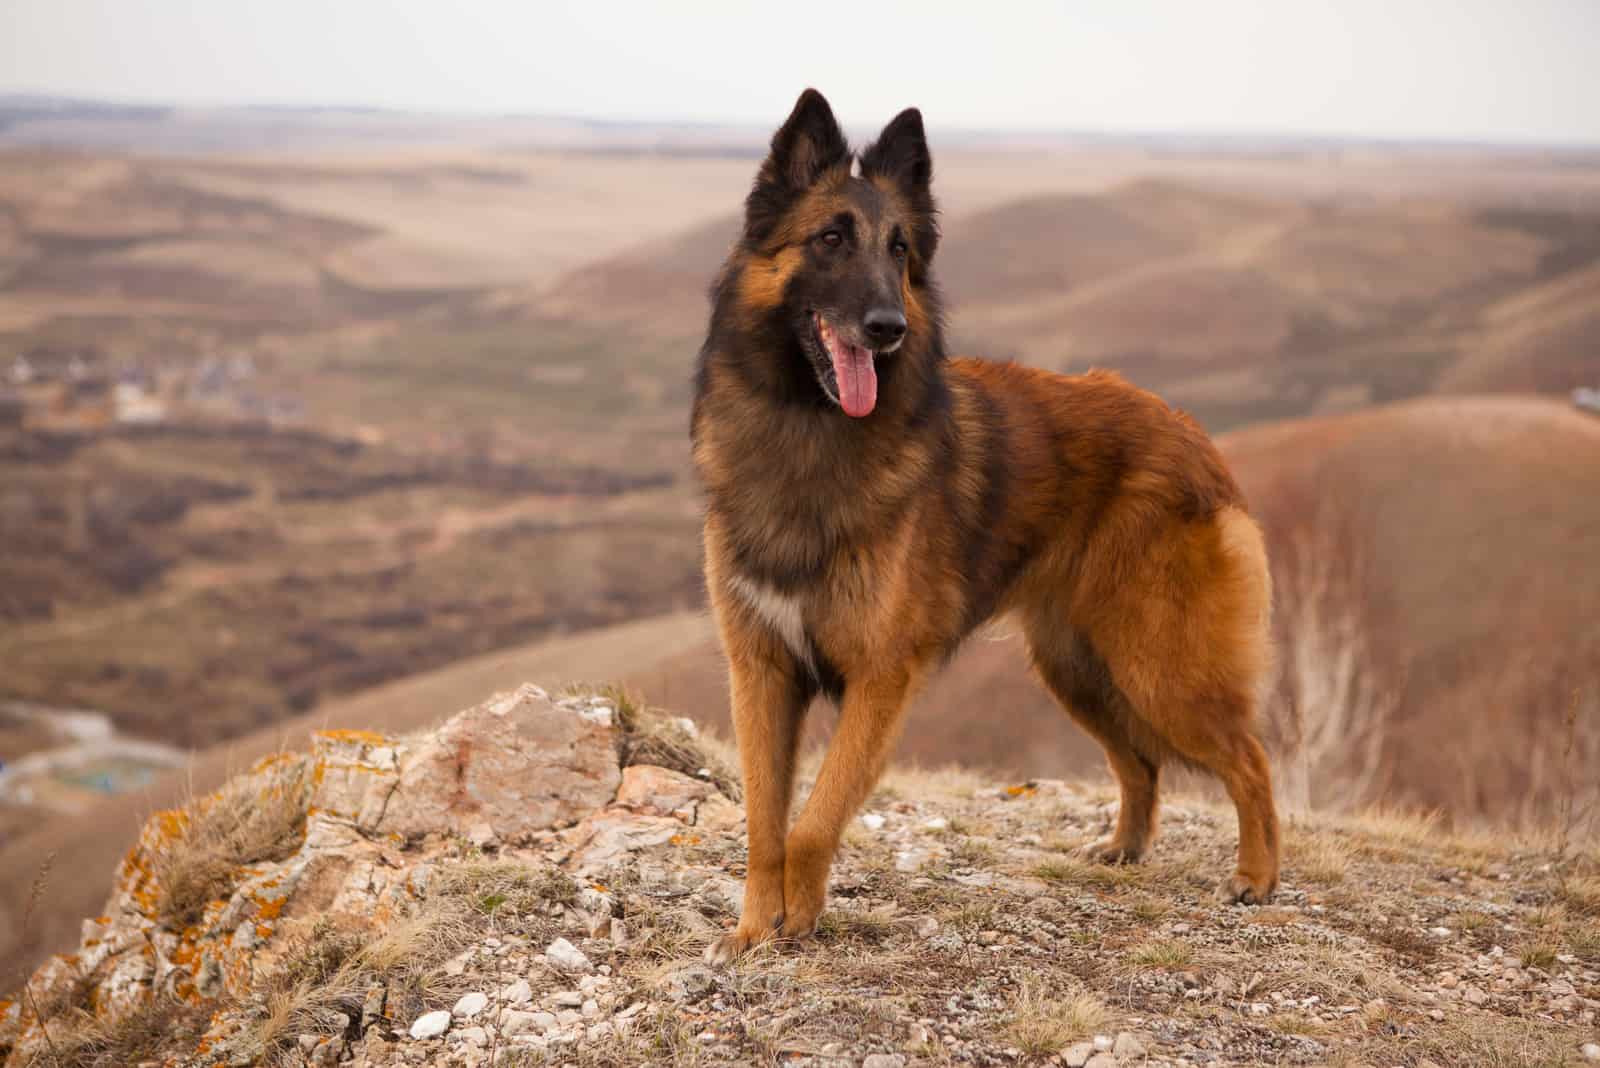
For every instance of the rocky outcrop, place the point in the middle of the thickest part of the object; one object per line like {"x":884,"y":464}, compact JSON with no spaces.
{"x":522,"y":776}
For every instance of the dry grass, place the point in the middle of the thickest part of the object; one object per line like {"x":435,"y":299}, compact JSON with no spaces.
{"x":1406,"y":941}
{"x":1077,"y":871}
{"x":1168,"y":954}
{"x":650,"y":736}
{"x":1582,"y":895}
{"x":153,"y":1031}
{"x":1318,"y":858}
{"x":1042,"y":1024}
{"x":219,"y":835}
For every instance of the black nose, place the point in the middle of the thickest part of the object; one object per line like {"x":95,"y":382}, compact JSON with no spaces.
{"x":884,"y":326}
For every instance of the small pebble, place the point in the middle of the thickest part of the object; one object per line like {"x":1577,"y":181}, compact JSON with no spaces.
{"x":431,"y":1025}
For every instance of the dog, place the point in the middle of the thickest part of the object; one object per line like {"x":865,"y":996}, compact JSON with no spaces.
{"x":869,"y":501}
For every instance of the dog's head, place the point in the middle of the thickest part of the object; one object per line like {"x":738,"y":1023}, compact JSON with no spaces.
{"x":840,"y":260}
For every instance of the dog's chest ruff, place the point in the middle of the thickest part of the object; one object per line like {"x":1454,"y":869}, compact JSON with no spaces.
{"x":781,"y":612}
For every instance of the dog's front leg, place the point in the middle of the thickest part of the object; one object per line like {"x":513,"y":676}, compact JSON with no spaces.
{"x":869,"y":723}
{"x":769,"y":703}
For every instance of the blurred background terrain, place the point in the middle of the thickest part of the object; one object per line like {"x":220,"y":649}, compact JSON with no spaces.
{"x":315,"y":414}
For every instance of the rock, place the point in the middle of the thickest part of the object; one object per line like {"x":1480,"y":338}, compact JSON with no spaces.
{"x":1078,"y":1054}
{"x":470,"y":1005}
{"x":872,"y":821}
{"x":717,"y":815}
{"x":1591,"y":1051}
{"x":655,"y":791}
{"x":307,"y":1043}
{"x":1101,"y":1060}
{"x":516,"y":764}
{"x":521,"y":1022}
{"x":567,"y":957}
{"x":1103,"y":1043}
{"x":606,"y":838}
{"x":690,"y":983}
{"x":473,"y":1036}
{"x":1128,"y":1047}
{"x":927,"y":927}
{"x":517,"y":993}
{"x":884,"y":1060}
{"x":1475,"y":996}
{"x":590,"y":1009}
{"x":938,"y":823}
{"x":372,"y":1005}
{"x":328,"y":1053}
{"x":566,"y":999}
{"x":430,"y":1025}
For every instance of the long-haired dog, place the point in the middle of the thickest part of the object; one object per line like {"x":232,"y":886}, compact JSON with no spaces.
{"x":870,"y":501}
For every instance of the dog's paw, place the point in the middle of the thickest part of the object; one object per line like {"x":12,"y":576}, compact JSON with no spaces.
{"x":1111,"y":851}
{"x":1240,"y":889}
{"x":733,"y":945}
{"x":800,"y":927}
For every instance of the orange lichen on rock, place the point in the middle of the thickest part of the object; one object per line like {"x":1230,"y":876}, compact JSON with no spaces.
{"x":346,"y":735}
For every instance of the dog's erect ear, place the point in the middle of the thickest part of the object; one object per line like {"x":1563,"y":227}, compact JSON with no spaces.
{"x":806,"y":146}
{"x":901,"y":155}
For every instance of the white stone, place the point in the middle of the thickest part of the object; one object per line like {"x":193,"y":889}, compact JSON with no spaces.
{"x":431,"y":1025}
{"x":1078,"y":1054}
{"x":473,"y":1036}
{"x":1128,"y":1047}
{"x":1591,"y":1051}
{"x":1104,"y":1043}
{"x":470,"y":1004}
{"x":519,"y":1022}
{"x":938,"y":823}
{"x":516,"y":993}
{"x":873,"y":821}
{"x":567,"y":957}
{"x":883,"y":1060}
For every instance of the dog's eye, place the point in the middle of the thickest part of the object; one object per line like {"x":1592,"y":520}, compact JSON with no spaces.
{"x":832,"y":238}
{"x":898,"y":249}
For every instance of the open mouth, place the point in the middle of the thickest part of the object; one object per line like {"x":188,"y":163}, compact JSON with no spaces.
{"x":852,"y":377}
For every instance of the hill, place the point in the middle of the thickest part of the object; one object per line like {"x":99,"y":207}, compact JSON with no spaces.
{"x":349,"y":905}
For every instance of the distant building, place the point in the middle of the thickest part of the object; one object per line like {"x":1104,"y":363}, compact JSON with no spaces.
{"x":134,"y":404}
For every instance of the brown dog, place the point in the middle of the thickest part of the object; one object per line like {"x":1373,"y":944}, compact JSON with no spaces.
{"x":870,"y":502}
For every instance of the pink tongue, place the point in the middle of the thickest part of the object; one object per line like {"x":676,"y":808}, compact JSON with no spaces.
{"x":858,"y":379}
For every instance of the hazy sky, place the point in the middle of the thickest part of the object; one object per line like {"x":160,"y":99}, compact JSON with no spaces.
{"x":1523,"y":70}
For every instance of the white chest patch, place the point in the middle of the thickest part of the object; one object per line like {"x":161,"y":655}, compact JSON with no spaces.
{"x":781,"y":612}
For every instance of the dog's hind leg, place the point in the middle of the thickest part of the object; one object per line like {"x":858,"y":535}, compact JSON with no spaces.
{"x":1078,"y":679}
{"x":869,"y":722}
{"x":1220,"y":736}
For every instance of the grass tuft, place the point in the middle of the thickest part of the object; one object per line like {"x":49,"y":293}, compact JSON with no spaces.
{"x":216,"y":837}
{"x":1042,"y":1024}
